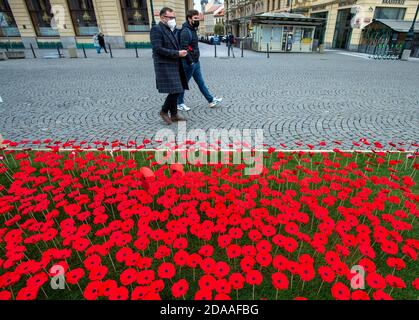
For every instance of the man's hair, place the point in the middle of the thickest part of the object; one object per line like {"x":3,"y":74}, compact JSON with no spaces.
{"x":192,"y":13}
{"x":164,"y":10}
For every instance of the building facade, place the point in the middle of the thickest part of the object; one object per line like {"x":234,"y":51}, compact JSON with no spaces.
{"x":345,"y":19}
{"x":210,"y":17}
{"x":72,"y":23}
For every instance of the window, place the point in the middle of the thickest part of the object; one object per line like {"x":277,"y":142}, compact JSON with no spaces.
{"x":8,"y":27}
{"x":135,"y":15}
{"x":83,"y":16}
{"x":389,"y":13}
{"x":40,"y":12}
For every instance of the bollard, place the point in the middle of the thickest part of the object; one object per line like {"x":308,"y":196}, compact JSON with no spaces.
{"x":136,"y":51}
{"x":84,"y":50}
{"x":228,"y":50}
{"x":33,"y":51}
{"x":267,"y":50}
{"x":241,"y":44}
{"x":215,"y":51}
{"x":110,"y":50}
{"x":59,"y":52}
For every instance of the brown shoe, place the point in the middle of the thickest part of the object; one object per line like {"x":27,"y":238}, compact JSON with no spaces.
{"x":177,"y":118}
{"x":165,"y":117}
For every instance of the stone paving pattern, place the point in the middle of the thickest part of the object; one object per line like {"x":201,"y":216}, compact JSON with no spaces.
{"x":292,"y":97}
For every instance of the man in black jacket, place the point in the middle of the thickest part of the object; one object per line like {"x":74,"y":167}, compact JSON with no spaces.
{"x":167,"y":54}
{"x":191,"y":65}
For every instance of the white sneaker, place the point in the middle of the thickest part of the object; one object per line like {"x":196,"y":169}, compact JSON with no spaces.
{"x":215,"y":102}
{"x":183,"y":107}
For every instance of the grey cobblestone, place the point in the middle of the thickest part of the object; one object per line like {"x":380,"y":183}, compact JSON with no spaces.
{"x":292,"y":97}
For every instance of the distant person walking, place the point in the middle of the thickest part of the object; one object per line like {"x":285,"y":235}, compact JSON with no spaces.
{"x":230,"y":41}
{"x":167,"y":54}
{"x":101,"y":39}
{"x":191,"y":65}
{"x":96,"y":43}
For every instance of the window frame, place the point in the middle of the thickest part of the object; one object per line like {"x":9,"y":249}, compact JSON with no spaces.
{"x":74,"y":18}
{"x":9,"y":12}
{"x":125,"y":17}
{"x":35,"y":25}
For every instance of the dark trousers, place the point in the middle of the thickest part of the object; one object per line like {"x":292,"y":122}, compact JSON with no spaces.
{"x":104,"y":47}
{"x":171,"y":104}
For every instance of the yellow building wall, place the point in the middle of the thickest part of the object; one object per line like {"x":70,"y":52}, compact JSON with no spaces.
{"x":109,"y":18}
{"x":22,"y":18}
{"x":65,"y":28}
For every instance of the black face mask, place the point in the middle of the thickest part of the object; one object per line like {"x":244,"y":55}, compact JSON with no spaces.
{"x":195,"y":23}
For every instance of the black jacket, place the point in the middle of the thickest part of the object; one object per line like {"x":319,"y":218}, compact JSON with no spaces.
{"x":170,"y":76}
{"x":189,"y":40}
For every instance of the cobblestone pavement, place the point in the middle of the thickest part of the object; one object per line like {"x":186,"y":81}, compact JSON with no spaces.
{"x":292,"y":97}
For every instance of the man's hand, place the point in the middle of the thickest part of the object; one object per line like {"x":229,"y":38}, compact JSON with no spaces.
{"x":183,"y":53}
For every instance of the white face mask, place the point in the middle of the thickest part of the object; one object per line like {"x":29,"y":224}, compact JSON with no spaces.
{"x":171,"y":24}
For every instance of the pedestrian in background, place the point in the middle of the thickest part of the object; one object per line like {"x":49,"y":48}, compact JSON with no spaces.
{"x":96,"y":43}
{"x":189,"y":41}
{"x":168,"y":67}
{"x":230,"y":42}
{"x":101,"y":39}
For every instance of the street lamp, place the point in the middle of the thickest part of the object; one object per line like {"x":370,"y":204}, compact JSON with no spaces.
{"x":409,"y":38}
{"x":153,"y":21}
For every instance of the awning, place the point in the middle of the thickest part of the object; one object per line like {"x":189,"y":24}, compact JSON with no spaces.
{"x":397,"y":25}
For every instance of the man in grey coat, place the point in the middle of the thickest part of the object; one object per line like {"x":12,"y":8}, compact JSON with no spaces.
{"x":170,"y":76}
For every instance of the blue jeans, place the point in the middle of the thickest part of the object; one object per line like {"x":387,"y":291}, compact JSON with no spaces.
{"x":194,"y":71}
{"x":98,"y":49}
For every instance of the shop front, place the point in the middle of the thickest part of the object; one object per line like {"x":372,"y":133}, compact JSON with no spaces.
{"x":387,"y":37}
{"x":284,"y":32}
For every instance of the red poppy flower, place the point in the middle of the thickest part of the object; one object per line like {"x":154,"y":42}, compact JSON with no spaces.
{"x":27,"y":293}
{"x":340,"y":291}
{"x":74,"y":276}
{"x":222,"y":296}
{"x":203,"y":294}
{"x":157,"y":286}
{"x":264,"y":259}
{"x":180,"y":288}
{"x":360,"y":295}
{"x":233,"y":251}
{"x":395,"y":282}
{"x":107,"y":287}
{"x":98,"y":273}
{"x":206,"y":251}
{"x":5,"y":295}
{"x":254,"y":277}
{"x":92,"y":262}
{"x":120,"y":293}
{"x":381,"y":295}
{"x":91,"y":292}
{"x":145,"y":277}
{"x":280,"y":281}
{"x":140,"y":292}
{"x":128,"y":276}
{"x":236,"y":280}
{"x":166,"y":270}
{"x":280,"y":263}
{"x":375,"y":281}
{"x":38,"y":280}
{"x":221,"y":269}
{"x":207,"y":282}
{"x":415,"y":283}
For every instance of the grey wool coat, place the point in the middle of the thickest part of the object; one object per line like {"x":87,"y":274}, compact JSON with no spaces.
{"x":170,"y":76}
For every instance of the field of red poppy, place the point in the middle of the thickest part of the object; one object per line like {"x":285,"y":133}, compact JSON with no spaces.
{"x":118,"y":225}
